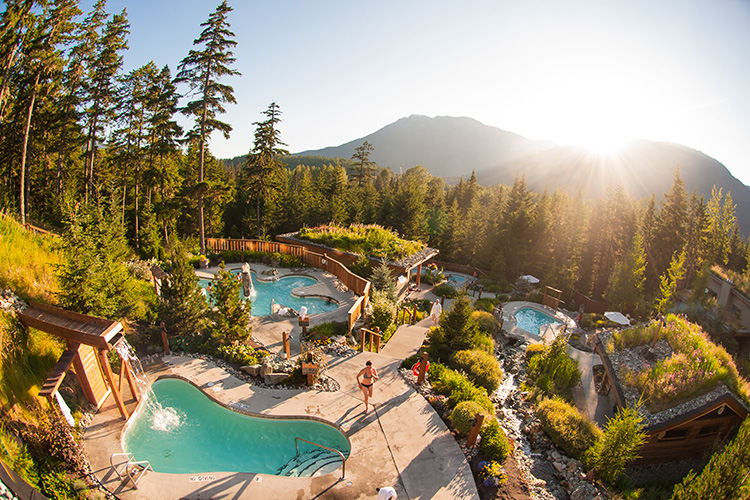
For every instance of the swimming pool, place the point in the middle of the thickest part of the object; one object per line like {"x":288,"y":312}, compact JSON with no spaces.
{"x":280,"y":291}
{"x":531,"y":319}
{"x":212,"y":438}
{"x":457,"y":280}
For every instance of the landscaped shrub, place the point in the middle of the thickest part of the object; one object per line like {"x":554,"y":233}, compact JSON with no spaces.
{"x":618,"y":446}
{"x":587,"y":321}
{"x":481,"y":367}
{"x":486,"y":304}
{"x":484,"y":321}
{"x":327,"y":330}
{"x":444,"y":290}
{"x":567,"y":427}
{"x":725,"y":476}
{"x":535,"y":349}
{"x":483,"y":342}
{"x":361,"y":267}
{"x":553,"y":372}
{"x":455,"y":332}
{"x":383,"y":311}
{"x":495,"y":444}
{"x":457,"y":387}
{"x":463,"y":414}
{"x":241,"y":353}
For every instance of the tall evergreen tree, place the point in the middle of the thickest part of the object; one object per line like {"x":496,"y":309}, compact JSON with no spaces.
{"x":201,"y":70}
{"x":363,"y":167}
{"x":183,"y":306}
{"x":262,"y":173}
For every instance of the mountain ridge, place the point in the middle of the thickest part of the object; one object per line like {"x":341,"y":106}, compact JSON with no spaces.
{"x":453,"y":147}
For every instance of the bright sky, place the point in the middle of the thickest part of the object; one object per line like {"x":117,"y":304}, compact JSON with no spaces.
{"x":594,"y":72}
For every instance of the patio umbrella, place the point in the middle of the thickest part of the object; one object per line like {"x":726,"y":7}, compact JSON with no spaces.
{"x":617,"y":317}
{"x":531,"y":279}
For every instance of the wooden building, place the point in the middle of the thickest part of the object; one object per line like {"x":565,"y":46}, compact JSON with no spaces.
{"x":686,"y":430}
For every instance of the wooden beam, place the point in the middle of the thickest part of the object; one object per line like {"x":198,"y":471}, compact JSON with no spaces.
{"x":111,"y":379}
{"x":57,"y":375}
{"x":131,"y":380}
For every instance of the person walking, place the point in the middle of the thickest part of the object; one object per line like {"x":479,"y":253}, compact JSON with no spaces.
{"x":369,"y":376}
{"x":386,"y":493}
{"x":436,"y":311}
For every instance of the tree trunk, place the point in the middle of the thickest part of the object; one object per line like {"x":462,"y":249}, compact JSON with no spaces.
{"x":22,"y":194}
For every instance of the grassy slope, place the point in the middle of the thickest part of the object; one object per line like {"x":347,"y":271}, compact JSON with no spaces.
{"x":28,"y":262}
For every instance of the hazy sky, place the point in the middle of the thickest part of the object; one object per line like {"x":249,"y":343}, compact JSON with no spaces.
{"x":575,"y":72}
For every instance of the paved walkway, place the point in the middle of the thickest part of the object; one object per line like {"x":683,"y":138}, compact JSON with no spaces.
{"x":597,"y":408}
{"x":402,"y":442}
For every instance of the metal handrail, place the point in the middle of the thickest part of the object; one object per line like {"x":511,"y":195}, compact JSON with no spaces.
{"x":127,"y":471}
{"x":343,"y":458}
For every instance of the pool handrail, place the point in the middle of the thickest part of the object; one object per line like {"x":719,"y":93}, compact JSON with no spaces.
{"x":343,"y":458}
{"x":127,"y":471}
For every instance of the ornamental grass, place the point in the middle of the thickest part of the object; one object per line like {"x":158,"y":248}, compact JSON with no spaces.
{"x":695,"y":367}
{"x":366,"y":239}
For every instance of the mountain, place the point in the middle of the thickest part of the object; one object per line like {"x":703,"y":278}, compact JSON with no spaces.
{"x":444,"y":145}
{"x":452,"y":147}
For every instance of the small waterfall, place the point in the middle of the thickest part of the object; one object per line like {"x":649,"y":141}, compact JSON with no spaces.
{"x":161,"y":419}
{"x":510,"y":420}
{"x":247,"y":282}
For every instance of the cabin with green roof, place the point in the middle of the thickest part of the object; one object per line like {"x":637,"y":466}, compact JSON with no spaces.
{"x":688,"y":388}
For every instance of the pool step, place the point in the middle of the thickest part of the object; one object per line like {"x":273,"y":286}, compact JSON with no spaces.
{"x":306,"y":464}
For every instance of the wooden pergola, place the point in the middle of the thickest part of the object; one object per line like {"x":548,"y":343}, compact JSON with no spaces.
{"x":88,"y":339}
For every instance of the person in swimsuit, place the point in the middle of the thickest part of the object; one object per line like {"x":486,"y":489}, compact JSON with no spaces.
{"x":369,"y":376}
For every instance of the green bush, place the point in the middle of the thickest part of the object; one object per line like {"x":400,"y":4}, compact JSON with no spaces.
{"x":458,"y":387}
{"x":383,"y":310}
{"x":486,"y":304}
{"x":329,"y":329}
{"x":618,"y":446}
{"x":725,"y":476}
{"x":587,"y":321}
{"x":481,"y":367}
{"x":463,"y":414}
{"x":553,"y":372}
{"x":241,"y":353}
{"x":484,"y":322}
{"x":361,"y":267}
{"x":535,"y":349}
{"x":567,"y":427}
{"x":483,"y":342}
{"x":444,"y":290}
{"x":495,"y":444}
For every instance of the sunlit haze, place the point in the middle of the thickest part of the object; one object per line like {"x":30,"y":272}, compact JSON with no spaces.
{"x":593,"y":73}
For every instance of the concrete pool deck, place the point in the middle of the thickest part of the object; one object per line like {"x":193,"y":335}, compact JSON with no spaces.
{"x":402,"y":443}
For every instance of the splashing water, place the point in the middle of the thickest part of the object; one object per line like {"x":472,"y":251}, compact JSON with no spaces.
{"x":247,"y":282}
{"x":162,"y":419}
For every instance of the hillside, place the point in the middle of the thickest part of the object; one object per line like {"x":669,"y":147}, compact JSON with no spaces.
{"x":452,"y":147}
{"x":448,"y":147}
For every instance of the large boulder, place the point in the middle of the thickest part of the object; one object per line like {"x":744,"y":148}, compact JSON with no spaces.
{"x":253,"y":370}
{"x":274,"y":378}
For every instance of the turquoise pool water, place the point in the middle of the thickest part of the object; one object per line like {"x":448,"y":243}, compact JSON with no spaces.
{"x":281,"y":293}
{"x":212,"y":438}
{"x":530,"y":319}
{"x":457,"y":280}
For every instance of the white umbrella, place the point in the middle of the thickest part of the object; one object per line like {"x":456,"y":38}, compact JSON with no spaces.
{"x":617,"y":317}
{"x":531,"y":279}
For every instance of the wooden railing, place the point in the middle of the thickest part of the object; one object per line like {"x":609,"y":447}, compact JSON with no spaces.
{"x":357,"y":284}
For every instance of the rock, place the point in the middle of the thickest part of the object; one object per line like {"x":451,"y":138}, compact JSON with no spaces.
{"x":265,"y":368}
{"x":253,"y":370}
{"x":274,"y":378}
{"x":559,"y":467}
{"x":556,"y":456}
{"x":585,"y":491}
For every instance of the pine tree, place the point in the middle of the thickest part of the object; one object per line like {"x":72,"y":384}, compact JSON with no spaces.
{"x":231,"y":316}
{"x":263,"y":170}
{"x":183,"y":306}
{"x":201,"y":70}
{"x":625,"y":289}
{"x":364,"y":167}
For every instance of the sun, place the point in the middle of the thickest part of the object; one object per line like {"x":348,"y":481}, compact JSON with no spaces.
{"x":603,"y":142}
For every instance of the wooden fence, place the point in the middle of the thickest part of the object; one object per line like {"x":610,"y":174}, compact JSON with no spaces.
{"x":355,"y":283}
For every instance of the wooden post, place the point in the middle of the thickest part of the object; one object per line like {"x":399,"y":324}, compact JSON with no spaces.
{"x":285,"y":341}
{"x":377,"y":330}
{"x":414,"y":314}
{"x":480,"y":294}
{"x":419,"y":275}
{"x":474,"y":432}
{"x":377,"y":343}
{"x":422,"y":368}
{"x":164,"y":338}
{"x":362,"y":349}
{"x":111,"y":379}
{"x":131,"y":380}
